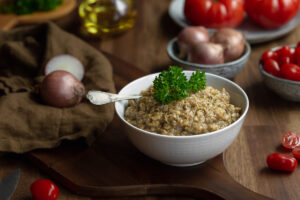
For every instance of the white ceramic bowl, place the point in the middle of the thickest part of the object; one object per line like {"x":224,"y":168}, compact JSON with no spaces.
{"x":227,"y":70}
{"x":184,"y":150}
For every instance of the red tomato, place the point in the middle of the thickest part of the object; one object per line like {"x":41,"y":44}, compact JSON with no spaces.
{"x":271,"y":13}
{"x":285,"y":51}
{"x":283,"y":60}
{"x":281,"y":162}
{"x":284,"y":55}
{"x":214,"y":13}
{"x":44,"y":189}
{"x":296,"y":152}
{"x":271,"y":66}
{"x":290,"y":140}
{"x":290,"y":71}
{"x":296,"y":56}
{"x":269,"y":54}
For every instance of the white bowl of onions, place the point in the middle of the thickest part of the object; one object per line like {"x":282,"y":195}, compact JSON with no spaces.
{"x":224,"y":53}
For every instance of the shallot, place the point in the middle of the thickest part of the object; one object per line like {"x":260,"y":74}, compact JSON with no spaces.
{"x":206,"y":53}
{"x":233,"y":42}
{"x":61,"y":89}
{"x":67,"y":63}
{"x":189,"y":37}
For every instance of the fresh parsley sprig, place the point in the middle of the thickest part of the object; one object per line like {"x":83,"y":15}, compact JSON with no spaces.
{"x":22,"y":7}
{"x":173,"y":84}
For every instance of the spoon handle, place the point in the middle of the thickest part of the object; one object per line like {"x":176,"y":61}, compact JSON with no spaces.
{"x":100,"y":98}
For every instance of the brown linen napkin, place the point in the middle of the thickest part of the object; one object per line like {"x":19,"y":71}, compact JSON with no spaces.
{"x":25,"y":122}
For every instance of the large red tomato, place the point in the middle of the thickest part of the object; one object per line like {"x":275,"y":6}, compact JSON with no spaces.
{"x":271,"y":13}
{"x":214,"y":13}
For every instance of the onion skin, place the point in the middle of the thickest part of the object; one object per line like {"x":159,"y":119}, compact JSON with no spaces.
{"x":233,"y":42}
{"x":61,"y":89}
{"x":189,"y":37}
{"x":206,"y":53}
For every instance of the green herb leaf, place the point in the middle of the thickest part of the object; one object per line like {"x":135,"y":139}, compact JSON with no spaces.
{"x":173,"y":85}
{"x":197,"y":81}
{"x":22,"y":7}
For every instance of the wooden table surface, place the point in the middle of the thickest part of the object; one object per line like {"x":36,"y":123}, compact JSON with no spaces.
{"x":145,"y":47}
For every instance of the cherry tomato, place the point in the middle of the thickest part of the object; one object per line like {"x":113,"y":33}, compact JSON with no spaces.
{"x":296,"y":152}
{"x":284,"y":55}
{"x":290,"y":71}
{"x":290,"y":140}
{"x":269,"y":54}
{"x":285,"y":51}
{"x":296,"y":56}
{"x":281,"y":162}
{"x":271,"y":13}
{"x":271,"y":66}
{"x":214,"y":13}
{"x":44,"y":189}
{"x":284,"y":60}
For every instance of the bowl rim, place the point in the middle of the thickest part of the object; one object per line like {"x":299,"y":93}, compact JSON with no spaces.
{"x":275,"y":77}
{"x":261,"y":69}
{"x":187,"y":136}
{"x":202,"y":66}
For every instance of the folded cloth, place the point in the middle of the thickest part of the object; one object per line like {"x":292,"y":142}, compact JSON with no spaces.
{"x":26,"y":123}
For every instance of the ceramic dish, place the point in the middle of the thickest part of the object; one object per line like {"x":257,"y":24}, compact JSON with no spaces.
{"x":253,"y":33}
{"x":287,"y":89}
{"x":184,"y":150}
{"x":227,"y":70}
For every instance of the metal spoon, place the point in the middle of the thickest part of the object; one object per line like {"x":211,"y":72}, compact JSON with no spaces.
{"x":100,"y":98}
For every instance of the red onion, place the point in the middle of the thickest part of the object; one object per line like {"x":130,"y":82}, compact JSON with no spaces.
{"x":61,"y":89}
{"x":190,"y":36}
{"x":67,"y":63}
{"x":233,"y":42}
{"x":206,"y":53}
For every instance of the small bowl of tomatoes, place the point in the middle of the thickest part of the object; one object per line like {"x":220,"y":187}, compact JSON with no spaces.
{"x":280,"y":67}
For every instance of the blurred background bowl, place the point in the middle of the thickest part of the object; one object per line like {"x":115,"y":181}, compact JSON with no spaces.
{"x":227,"y":70}
{"x":184,"y":150}
{"x":287,"y":89}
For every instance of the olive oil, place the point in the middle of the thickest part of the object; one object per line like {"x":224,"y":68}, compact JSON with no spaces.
{"x":107,"y":17}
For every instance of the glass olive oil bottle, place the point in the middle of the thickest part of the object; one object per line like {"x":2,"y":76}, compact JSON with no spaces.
{"x":107,"y":17}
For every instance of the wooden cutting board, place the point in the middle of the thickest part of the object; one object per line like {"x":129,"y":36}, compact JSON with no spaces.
{"x":8,"y":21}
{"x":112,"y":166}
